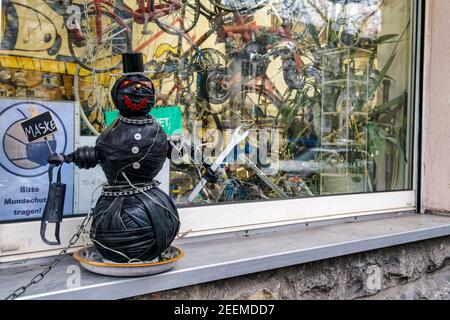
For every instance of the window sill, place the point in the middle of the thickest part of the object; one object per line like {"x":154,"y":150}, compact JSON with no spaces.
{"x":223,"y":256}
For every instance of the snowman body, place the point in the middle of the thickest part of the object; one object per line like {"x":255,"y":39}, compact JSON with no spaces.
{"x":133,"y":219}
{"x":136,"y":147}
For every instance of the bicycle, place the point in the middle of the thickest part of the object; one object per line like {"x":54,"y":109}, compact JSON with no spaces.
{"x":184,"y":65}
{"x":109,"y":35}
{"x":92,"y":88}
{"x":183,"y":68}
{"x":338,"y":28}
{"x":103,"y":35}
{"x":253,"y":96}
{"x":244,"y":80}
{"x":240,"y":6}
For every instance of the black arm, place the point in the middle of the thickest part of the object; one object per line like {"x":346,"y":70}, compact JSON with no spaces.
{"x":84,"y":158}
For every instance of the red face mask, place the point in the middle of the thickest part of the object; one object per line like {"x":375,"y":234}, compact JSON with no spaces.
{"x":133,"y":95}
{"x":134,"y":106}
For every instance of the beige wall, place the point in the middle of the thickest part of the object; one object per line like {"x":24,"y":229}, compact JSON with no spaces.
{"x":437,"y":107}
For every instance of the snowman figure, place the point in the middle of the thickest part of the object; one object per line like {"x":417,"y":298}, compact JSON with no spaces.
{"x":133,"y":219}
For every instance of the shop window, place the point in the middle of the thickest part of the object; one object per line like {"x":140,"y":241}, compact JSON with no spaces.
{"x":322,"y":89}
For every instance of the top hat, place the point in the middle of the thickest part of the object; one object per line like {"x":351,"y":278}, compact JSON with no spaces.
{"x":132,"y":62}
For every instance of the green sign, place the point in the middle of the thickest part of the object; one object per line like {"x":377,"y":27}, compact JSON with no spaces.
{"x":169,"y":118}
{"x":110,"y":116}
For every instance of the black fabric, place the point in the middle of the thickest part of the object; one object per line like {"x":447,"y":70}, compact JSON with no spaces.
{"x":84,"y":157}
{"x":141,"y":225}
{"x":132,"y":62}
{"x":136,"y":90}
{"x":134,"y":225}
{"x":114,"y":147}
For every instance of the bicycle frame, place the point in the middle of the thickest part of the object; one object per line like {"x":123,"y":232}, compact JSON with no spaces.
{"x":142,"y":15}
{"x":177,"y":88}
{"x":247,"y":30}
{"x":195,"y":46}
{"x":99,"y":6}
{"x":259,"y":85}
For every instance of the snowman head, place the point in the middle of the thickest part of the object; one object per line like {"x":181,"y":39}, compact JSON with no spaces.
{"x":133,"y":94}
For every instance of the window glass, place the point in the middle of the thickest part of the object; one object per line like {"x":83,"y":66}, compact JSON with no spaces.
{"x":318,"y":88}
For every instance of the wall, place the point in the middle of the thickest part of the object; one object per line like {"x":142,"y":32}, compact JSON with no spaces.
{"x":437,"y":110}
{"x":414,"y":271}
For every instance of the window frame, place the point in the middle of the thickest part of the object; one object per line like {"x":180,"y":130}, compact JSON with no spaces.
{"x":21,"y":239}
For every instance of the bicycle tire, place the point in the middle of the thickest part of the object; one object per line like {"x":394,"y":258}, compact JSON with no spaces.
{"x":85,"y":65}
{"x":92,"y":94}
{"x":173,"y":30}
{"x":214,"y":11}
{"x":209,"y":85}
{"x":256,"y":121}
{"x":212,"y":52}
{"x":241,"y":9}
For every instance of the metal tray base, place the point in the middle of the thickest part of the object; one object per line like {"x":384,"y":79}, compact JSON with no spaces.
{"x":92,"y":261}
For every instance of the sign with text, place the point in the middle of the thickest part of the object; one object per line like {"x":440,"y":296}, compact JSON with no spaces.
{"x":23,"y":164}
{"x":169,"y":117}
{"x":40,"y":126}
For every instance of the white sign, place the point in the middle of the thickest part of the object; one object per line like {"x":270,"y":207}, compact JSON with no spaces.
{"x":23,"y":165}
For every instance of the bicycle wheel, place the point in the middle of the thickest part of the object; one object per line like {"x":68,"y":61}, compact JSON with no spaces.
{"x":216,"y":86}
{"x":104,"y":56}
{"x":203,"y":61}
{"x":240,"y":6}
{"x":209,"y":59}
{"x":346,"y":35}
{"x":92,"y":91}
{"x":177,"y":21}
{"x":252,"y":108}
{"x":209,"y":8}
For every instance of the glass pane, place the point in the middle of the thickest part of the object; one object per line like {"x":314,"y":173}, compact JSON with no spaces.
{"x":319,"y":89}
{"x":36,"y":76}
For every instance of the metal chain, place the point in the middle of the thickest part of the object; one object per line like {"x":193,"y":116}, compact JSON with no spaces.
{"x":61,"y":255}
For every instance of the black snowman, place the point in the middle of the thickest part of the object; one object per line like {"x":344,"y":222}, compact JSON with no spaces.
{"x":133,"y":219}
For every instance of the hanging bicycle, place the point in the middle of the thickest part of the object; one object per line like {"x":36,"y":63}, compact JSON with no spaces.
{"x":179,"y":64}
{"x":103,"y":35}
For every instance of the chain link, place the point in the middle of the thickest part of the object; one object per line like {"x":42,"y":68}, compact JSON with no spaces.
{"x":61,"y":255}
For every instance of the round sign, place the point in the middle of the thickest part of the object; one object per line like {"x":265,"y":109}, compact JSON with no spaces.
{"x":18,"y":156}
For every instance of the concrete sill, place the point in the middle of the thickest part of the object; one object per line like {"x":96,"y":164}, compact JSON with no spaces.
{"x":229,"y":255}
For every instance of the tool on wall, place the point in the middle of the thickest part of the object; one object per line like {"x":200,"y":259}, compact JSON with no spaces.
{"x":234,"y":141}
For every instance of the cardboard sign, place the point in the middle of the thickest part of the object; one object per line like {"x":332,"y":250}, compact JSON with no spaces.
{"x":40,"y":126}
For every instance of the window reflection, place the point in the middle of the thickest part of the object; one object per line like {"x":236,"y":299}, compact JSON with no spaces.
{"x":320,"y":86}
